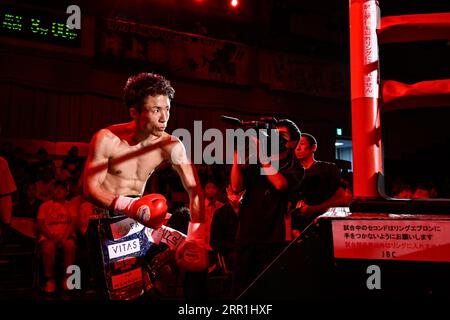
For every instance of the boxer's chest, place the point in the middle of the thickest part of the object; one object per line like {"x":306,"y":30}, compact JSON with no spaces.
{"x":134,"y":162}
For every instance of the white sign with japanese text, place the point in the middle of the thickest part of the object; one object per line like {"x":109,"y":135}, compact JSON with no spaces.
{"x":415,"y":240}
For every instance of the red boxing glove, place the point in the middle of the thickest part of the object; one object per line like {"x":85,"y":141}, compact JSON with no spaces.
{"x":150,"y":210}
{"x":192,"y":255}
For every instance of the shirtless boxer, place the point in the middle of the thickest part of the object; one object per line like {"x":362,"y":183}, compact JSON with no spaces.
{"x":123,"y":156}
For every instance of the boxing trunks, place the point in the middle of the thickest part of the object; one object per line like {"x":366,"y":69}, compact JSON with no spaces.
{"x":126,"y":256}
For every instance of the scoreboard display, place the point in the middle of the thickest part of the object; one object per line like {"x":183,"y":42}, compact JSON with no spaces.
{"x":38,"y":25}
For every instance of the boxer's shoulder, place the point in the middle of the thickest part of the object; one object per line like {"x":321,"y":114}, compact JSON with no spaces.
{"x":119,"y":131}
{"x":105,"y":134}
{"x":167,"y":141}
{"x":174,"y":149}
{"x":106,"y":137}
{"x":172,"y":141}
{"x":103,"y":143}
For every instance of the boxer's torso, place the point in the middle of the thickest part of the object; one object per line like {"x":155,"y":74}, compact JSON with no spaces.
{"x":131,"y":163}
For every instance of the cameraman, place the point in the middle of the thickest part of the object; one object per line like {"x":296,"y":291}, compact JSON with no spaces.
{"x":261,"y":232}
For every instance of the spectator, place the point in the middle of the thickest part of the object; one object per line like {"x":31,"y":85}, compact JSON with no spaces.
{"x":56,"y":229}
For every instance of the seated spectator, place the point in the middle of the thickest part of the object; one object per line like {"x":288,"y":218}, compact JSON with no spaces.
{"x":223,"y":230}
{"x":56,"y":229}
{"x":28,"y":206}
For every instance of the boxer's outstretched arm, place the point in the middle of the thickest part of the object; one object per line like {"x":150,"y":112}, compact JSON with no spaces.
{"x":96,"y":169}
{"x":188,"y":174}
{"x":191,"y":254}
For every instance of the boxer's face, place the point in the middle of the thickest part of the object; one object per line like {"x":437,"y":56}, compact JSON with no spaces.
{"x":154,"y":115}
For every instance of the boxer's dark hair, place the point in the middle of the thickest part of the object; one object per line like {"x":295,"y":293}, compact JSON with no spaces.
{"x":311,"y":140}
{"x":294,"y":131}
{"x":142,"y":85}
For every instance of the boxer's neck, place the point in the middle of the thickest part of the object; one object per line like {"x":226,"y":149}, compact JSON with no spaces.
{"x":135,"y":135}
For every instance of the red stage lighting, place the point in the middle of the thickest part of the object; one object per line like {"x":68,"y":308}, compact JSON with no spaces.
{"x":234,"y":3}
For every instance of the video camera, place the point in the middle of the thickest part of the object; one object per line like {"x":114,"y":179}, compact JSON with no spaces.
{"x":264,"y":123}
{"x":267,"y":123}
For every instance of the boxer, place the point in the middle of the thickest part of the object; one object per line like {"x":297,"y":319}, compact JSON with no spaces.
{"x":122,"y":157}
